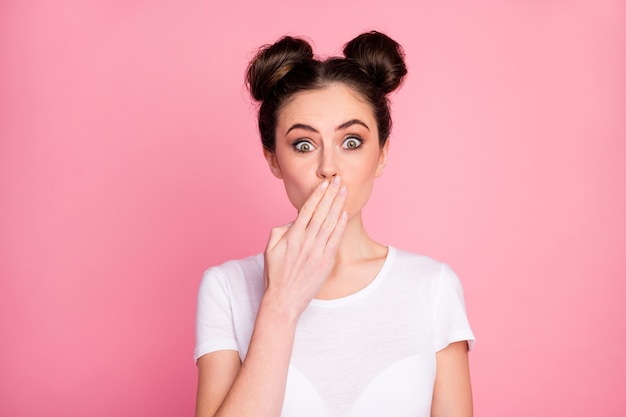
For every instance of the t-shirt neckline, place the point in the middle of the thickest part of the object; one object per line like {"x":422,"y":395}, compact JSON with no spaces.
{"x":371,"y":286}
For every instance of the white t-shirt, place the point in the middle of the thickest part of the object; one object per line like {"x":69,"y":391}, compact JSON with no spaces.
{"x":371,"y":353}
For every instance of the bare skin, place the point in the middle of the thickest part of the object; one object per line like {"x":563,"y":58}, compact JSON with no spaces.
{"x":321,"y":153}
{"x":299,"y":257}
{"x":452,"y":395}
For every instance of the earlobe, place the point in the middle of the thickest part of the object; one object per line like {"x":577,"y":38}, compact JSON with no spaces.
{"x":272,"y":162}
{"x":382,"y":159}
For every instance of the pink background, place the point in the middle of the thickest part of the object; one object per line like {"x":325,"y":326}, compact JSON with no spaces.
{"x":130,"y":162}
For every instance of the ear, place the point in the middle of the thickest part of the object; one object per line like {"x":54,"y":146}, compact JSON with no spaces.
{"x":382,"y":158}
{"x":272,"y":162}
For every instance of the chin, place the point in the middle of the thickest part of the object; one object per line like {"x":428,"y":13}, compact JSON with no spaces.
{"x":297,"y":203}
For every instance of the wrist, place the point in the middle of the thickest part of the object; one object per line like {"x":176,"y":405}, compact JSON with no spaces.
{"x":278,"y":310}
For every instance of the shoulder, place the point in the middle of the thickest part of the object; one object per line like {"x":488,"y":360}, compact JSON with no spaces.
{"x":422,"y":269}
{"x":234,"y":273}
{"x":416,"y":265}
{"x":236,"y":267}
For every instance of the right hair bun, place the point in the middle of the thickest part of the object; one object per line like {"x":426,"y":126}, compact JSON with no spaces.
{"x":273,"y":62}
{"x":380,"y":56}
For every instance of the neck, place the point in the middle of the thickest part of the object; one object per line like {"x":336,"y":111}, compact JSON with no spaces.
{"x":355,"y":243}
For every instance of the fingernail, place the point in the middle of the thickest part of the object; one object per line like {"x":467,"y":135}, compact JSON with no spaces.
{"x":343,"y":190}
{"x":324,"y":185}
{"x":336,"y":180}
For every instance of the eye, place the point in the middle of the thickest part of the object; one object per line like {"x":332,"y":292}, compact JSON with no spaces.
{"x":303,"y":146}
{"x":352,"y":143}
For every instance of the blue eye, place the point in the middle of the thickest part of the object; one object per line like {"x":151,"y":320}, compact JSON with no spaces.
{"x":352,"y":143}
{"x":303,"y":146}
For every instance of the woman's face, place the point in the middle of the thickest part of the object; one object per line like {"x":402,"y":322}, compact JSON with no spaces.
{"x":324,"y":133}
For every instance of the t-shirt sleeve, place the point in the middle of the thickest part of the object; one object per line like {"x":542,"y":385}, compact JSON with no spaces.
{"x":214,"y":319}
{"x":450,"y":317}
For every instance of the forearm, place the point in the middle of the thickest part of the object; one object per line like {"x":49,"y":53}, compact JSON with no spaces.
{"x":452,"y":394}
{"x":259,"y":388}
{"x":298,"y":259}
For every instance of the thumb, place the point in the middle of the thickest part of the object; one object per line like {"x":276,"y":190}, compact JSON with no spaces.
{"x":276,"y":234}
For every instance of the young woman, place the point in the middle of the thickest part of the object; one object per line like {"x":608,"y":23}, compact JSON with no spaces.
{"x":327,"y":322}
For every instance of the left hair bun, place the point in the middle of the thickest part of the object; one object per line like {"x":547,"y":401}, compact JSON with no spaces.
{"x":273,"y":62}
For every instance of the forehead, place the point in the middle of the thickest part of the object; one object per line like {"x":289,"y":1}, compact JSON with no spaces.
{"x":331,"y":105}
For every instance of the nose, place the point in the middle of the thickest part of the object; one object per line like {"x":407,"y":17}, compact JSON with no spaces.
{"x":328,"y":167}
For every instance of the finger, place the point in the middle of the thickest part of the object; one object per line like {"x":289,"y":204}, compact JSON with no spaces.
{"x":335,"y":237}
{"x":323,"y":208}
{"x":308,"y":208}
{"x":311,"y":243}
{"x":276,"y":234}
{"x":333,"y":217}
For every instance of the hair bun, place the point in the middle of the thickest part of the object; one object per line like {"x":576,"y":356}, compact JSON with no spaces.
{"x":380,"y":56}
{"x":273,"y":62}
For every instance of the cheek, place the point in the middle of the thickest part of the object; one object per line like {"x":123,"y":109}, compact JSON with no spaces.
{"x":298,"y":191}
{"x":360,"y":186}
{"x":358,"y":197}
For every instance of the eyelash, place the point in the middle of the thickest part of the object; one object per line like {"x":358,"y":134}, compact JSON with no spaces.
{"x":352,"y":138}
{"x":297,"y":145}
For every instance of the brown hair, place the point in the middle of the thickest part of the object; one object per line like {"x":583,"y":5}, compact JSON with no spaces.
{"x":373,"y":66}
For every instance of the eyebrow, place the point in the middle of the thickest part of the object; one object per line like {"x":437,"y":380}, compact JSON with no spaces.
{"x":352,"y":123}
{"x":340,"y":127}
